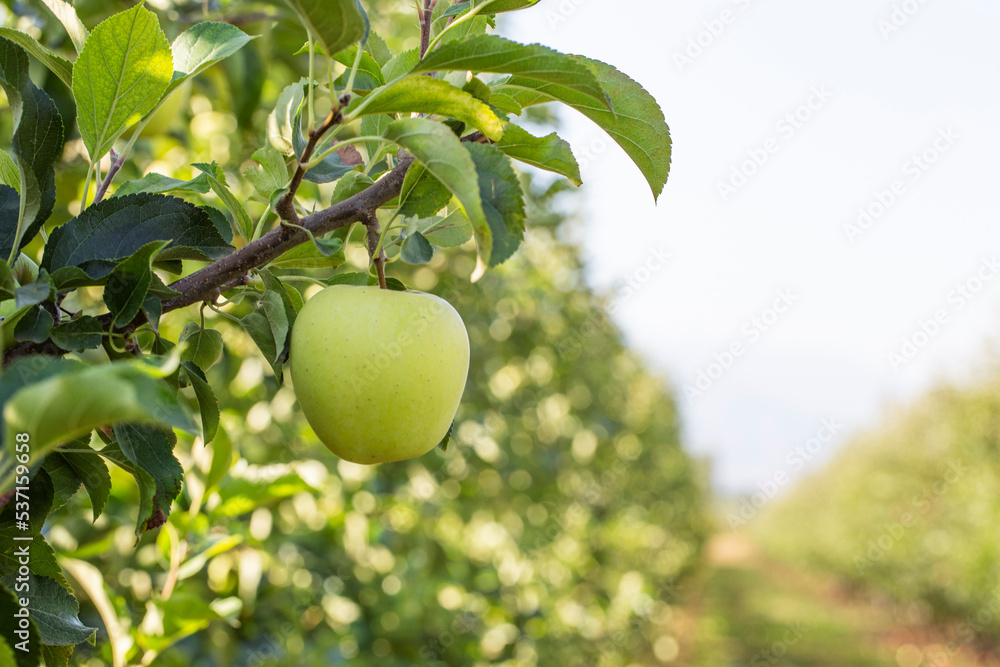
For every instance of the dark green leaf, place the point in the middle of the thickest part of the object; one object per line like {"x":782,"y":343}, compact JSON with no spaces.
{"x":502,"y":198}
{"x":35,"y":325}
{"x":116,"y":228}
{"x":65,"y":484}
{"x":93,"y":472}
{"x":151,"y":449}
{"x":550,"y":153}
{"x":39,"y":291}
{"x":128,"y":284}
{"x":158,"y":183}
{"x":120,"y":76}
{"x":25,"y":654}
{"x":308,"y":256}
{"x":416,"y":249}
{"x":207,"y":403}
{"x":8,"y":286}
{"x":58,"y":65}
{"x":83,"y":333}
{"x":636,"y":124}
{"x":55,"y":612}
{"x":351,"y":184}
{"x":423,"y":94}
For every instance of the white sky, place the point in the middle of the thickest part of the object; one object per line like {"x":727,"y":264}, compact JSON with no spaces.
{"x":827,"y":357}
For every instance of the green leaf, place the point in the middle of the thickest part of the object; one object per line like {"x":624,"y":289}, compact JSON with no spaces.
{"x":160,"y":184}
{"x":423,"y":94}
{"x":449,"y":231}
{"x":502,"y":198}
{"x":83,"y":333}
{"x":282,"y":119}
{"x":122,"y":391}
{"x":150,"y":449}
{"x":335,"y":23}
{"x":272,"y":173}
{"x":308,"y":256}
{"x":35,"y":325}
{"x":58,"y":65}
{"x":378,"y":49}
{"x":400,"y":65}
{"x":359,"y":279}
{"x":203,"y":45}
{"x":440,"y":152}
{"x":42,"y":501}
{"x":550,"y":153}
{"x":350,"y":184}
{"x":416,"y":249}
{"x":495,"y":7}
{"x":66,"y":14}
{"x":129,"y":282}
{"x":120,"y":76}
{"x":27,"y":655}
{"x":93,"y":472}
{"x":637,"y":124}
{"x":204,"y":346}
{"x":116,"y":228}
{"x":330,"y":168}
{"x":55,"y":612}
{"x":497,"y":55}
{"x":273,"y":308}
{"x":207,"y":403}
{"x":374,"y":126}
{"x":8,"y":286}
{"x":217,"y":179}
{"x":369,"y":76}
{"x":257,"y":325}
{"x":34,"y":293}
{"x":9,"y":173}
{"x":37,"y":143}
{"x":56,"y":656}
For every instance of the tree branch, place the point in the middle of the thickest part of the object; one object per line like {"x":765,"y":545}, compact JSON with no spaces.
{"x":116,"y":164}
{"x":374,"y":236}
{"x":425,"y":25}
{"x":285,"y":208}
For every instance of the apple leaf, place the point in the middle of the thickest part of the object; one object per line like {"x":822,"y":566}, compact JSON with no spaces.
{"x":502,"y":199}
{"x":207,"y":403}
{"x":34,"y":325}
{"x":495,"y":7}
{"x":637,"y":123}
{"x":9,"y":607}
{"x":416,"y":249}
{"x":441,"y":153}
{"x":120,"y":76}
{"x":83,"y":333}
{"x":335,"y":23}
{"x":550,"y":152}
{"x":58,"y":65}
{"x":150,"y":449}
{"x":422,"y":94}
{"x":55,"y":612}
{"x":78,"y":33}
{"x":217,"y":180}
{"x":203,"y":45}
{"x":159,"y":184}
{"x":492,"y":54}
{"x":204,"y":346}
{"x":116,"y":228}
{"x":449,"y":231}
{"x":129,"y":283}
{"x":93,"y":473}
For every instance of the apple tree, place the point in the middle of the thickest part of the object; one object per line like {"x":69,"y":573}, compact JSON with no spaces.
{"x":121,"y":286}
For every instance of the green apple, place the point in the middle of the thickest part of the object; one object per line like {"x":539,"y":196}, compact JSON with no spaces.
{"x":378,"y":374}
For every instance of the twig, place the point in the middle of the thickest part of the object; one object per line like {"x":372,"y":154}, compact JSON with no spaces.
{"x":116,"y":164}
{"x":370,"y":221}
{"x":285,"y":208}
{"x":425,"y":25}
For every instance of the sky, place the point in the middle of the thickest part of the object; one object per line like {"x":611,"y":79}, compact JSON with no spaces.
{"x":832,"y":212}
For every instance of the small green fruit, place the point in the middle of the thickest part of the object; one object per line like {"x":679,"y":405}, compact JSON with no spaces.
{"x":379,"y":374}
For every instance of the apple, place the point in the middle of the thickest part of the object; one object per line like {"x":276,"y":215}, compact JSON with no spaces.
{"x":378,"y":374}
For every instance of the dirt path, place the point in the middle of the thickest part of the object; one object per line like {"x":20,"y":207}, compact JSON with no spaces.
{"x":757,"y":613}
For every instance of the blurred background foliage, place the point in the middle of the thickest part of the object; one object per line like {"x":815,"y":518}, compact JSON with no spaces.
{"x":555,"y":529}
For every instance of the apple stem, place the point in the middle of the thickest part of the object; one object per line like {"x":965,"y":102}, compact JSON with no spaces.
{"x":370,"y":221}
